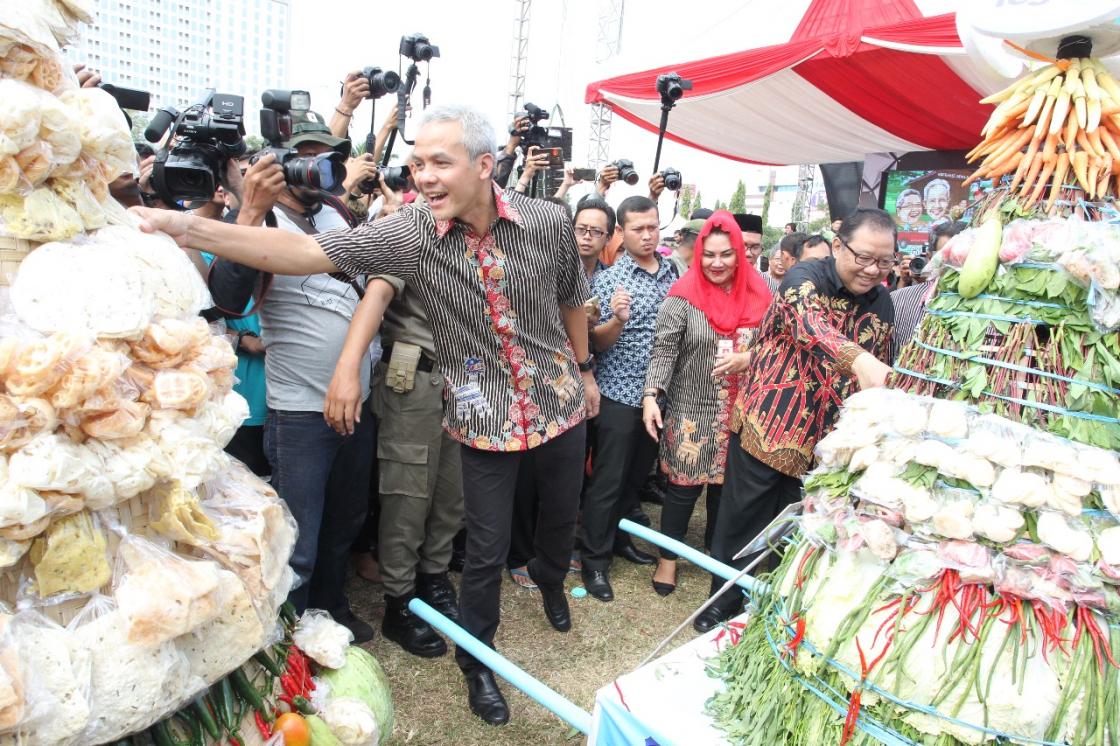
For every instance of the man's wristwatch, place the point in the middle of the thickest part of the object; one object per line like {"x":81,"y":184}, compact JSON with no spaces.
{"x":587,"y":365}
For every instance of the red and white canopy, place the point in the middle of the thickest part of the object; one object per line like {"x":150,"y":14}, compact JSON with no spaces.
{"x":855,"y":77}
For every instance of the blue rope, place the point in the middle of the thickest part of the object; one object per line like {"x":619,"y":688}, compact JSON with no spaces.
{"x":988,"y":316}
{"x":1024,"y":402}
{"x":1016,"y":301}
{"x":1017,"y":368}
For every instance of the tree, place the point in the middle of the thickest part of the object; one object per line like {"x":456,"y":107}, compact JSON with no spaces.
{"x":739,"y":198}
{"x":686,"y":201}
{"x":766,"y":198}
{"x":139,"y":124}
{"x":255,"y":142}
{"x":718,"y":205}
{"x":696,"y":202}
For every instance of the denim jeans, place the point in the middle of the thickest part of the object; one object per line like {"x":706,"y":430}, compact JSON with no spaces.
{"x":324,"y":479}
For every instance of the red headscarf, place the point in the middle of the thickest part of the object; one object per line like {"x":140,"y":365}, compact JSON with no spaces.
{"x":749,"y":298}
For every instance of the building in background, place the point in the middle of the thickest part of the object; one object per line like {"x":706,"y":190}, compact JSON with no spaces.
{"x":176,"y":49}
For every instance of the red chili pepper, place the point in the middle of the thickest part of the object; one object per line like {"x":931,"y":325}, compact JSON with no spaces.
{"x":262,"y":726}
{"x":801,"y":566}
{"x":288,"y":685}
{"x":798,"y":637}
{"x":852,"y":718}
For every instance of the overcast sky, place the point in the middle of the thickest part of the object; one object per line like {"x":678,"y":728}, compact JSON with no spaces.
{"x":330,"y":37}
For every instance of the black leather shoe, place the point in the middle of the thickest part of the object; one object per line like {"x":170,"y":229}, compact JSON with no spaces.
{"x":486,"y":698}
{"x":435,"y":589}
{"x":597,"y":584}
{"x":410,"y":631}
{"x":637,"y":515}
{"x":362,"y":632}
{"x":652,"y":492}
{"x":713,"y":616}
{"x":555,"y":603}
{"x":631,"y":553}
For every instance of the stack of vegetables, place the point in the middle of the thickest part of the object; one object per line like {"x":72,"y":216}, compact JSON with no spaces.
{"x":1062,"y":122}
{"x":310,"y":689}
{"x":954,"y":576}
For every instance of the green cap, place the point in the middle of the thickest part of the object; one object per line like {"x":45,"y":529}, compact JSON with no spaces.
{"x":309,"y":126}
{"x":694,"y":226}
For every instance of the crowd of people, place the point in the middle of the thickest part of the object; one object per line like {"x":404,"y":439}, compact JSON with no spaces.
{"x":458,"y":376}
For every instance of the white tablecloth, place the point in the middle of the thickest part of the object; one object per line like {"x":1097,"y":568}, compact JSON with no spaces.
{"x":664,"y":699}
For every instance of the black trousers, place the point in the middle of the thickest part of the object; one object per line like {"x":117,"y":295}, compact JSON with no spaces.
{"x":624,"y":454}
{"x":489,"y":484}
{"x":753,"y":495}
{"x":525,"y":511}
{"x":677,"y":511}
{"x":247,"y":446}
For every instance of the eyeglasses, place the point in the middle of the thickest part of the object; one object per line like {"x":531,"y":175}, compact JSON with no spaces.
{"x":866,"y":260}
{"x":593,"y":232}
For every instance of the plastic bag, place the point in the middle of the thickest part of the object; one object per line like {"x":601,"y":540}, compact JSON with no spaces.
{"x":256,"y":534}
{"x":1017,"y":241}
{"x":973,"y":561}
{"x":953,"y":518}
{"x":997,"y":522}
{"x":225,"y":642}
{"x":162,"y":595}
{"x":54,"y":463}
{"x":131,"y":686}
{"x":1069,"y":536}
{"x":54,"y":672}
{"x":105,"y":135}
{"x":322,"y":638}
{"x":40,"y":216}
{"x":69,"y":559}
{"x":996,"y":439}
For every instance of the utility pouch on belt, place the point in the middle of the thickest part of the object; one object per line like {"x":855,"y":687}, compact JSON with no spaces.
{"x":402,"y":367}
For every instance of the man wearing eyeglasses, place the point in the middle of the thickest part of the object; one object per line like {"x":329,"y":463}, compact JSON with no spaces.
{"x":631,"y":292}
{"x":826,"y":335}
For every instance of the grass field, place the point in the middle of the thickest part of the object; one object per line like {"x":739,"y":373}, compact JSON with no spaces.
{"x":606,"y":641}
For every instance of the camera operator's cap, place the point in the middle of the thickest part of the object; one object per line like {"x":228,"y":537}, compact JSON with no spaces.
{"x":694,"y":227}
{"x":309,"y":126}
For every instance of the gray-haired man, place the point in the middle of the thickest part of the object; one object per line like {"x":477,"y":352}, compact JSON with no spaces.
{"x":501,"y":278}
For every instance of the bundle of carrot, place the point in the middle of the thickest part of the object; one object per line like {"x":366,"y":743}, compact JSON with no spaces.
{"x":1062,"y":118}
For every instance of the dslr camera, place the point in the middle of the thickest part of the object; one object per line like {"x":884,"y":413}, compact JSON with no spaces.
{"x":381,"y":81}
{"x":672,"y":177}
{"x":417,"y":48}
{"x":324,"y":172}
{"x":626,"y":171}
{"x":672,"y":86}
{"x":188,"y":169}
{"x":396,"y":178}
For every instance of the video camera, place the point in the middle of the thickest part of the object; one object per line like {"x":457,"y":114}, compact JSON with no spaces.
{"x":532,"y":134}
{"x":324,"y":172}
{"x":188,"y":169}
{"x":418,"y":48}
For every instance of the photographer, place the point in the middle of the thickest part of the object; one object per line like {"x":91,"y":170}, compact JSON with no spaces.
{"x":507,"y":156}
{"x":355,"y":90}
{"x":535,"y":161}
{"x":322,"y":476}
{"x":910,"y":299}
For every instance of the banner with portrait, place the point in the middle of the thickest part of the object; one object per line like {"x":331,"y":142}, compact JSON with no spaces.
{"x":919,"y":200}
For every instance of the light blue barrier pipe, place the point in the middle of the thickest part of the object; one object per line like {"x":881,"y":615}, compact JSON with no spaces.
{"x":714,"y":566}
{"x":553,"y":701}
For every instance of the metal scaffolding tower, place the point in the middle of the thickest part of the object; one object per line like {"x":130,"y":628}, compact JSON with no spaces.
{"x":806,"y":176}
{"x":609,"y":42}
{"x":520,"y":58}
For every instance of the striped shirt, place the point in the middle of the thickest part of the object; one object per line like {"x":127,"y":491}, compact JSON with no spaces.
{"x":771,"y":282}
{"x":494,"y":302}
{"x":909,"y":309}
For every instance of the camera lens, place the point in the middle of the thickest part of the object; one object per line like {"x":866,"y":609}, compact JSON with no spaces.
{"x":672,"y":179}
{"x":917,"y":264}
{"x":325,"y":172}
{"x":626,"y":172}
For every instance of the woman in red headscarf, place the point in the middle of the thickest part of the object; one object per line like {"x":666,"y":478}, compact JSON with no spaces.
{"x":712,"y":312}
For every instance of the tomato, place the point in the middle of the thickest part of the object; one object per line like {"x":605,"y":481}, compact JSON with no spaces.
{"x":294,"y":728}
